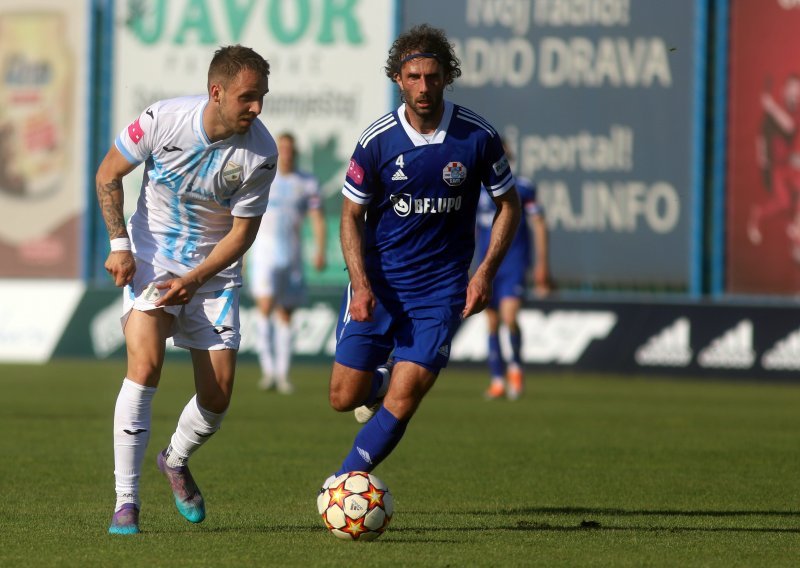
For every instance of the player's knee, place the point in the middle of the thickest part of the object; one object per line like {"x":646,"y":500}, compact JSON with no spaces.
{"x":342,"y":400}
{"x":349,"y":387}
{"x":144,"y":372}
{"x":217,"y":402}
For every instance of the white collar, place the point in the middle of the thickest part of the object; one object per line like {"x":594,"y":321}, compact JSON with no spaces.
{"x":439,"y":134}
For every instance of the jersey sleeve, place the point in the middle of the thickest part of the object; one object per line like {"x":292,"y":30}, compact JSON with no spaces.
{"x":137,"y":140}
{"x":358,"y":180}
{"x":497,"y":178}
{"x":252,"y":198}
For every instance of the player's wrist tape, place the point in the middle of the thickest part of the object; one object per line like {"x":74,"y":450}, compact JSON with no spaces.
{"x":121,"y":243}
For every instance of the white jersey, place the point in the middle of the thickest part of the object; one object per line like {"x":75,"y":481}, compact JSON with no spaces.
{"x":193,"y":188}
{"x":278,"y":244}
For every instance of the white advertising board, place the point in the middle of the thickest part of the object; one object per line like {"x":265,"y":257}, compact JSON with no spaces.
{"x":326,"y":84}
{"x":33,"y":316}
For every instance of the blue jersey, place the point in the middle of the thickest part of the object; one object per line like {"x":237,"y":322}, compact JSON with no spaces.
{"x":422,"y":196}
{"x":519,"y":256}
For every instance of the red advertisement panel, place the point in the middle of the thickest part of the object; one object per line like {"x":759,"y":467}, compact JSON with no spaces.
{"x":763,"y":173}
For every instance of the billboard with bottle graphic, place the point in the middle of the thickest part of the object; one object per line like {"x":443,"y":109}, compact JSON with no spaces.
{"x":44,"y":70}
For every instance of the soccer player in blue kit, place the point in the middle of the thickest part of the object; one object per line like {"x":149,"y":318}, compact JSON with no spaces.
{"x":408,"y":237}
{"x":508,"y":288}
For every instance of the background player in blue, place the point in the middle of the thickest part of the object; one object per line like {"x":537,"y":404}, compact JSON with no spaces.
{"x":408,"y":237}
{"x":508,"y":288}
{"x":209,"y":163}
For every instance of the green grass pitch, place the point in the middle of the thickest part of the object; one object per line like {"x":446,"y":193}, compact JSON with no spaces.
{"x":583,"y":471}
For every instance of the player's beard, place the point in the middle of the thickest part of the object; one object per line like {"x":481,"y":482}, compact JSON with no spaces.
{"x":234,"y":123}
{"x":243,"y":127}
{"x":434,"y":107}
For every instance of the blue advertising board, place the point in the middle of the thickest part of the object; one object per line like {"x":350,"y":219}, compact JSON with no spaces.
{"x":600,"y":103}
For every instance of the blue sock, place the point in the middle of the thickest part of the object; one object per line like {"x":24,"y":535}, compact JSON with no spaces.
{"x":497,"y":367}
{"x":374,"y":442}
{"x":516,"y":347}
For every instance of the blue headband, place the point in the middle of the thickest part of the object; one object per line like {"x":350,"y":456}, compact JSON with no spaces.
{"x":415,"y":55}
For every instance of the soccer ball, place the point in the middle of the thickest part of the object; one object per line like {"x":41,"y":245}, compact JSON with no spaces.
{"x":356,"y":506}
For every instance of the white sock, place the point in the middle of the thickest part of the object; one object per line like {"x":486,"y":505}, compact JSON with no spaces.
{"x":195,"y":427}
{"x":283,"y":350}
{"x":264,"y":345}
{"x":131,"y":434}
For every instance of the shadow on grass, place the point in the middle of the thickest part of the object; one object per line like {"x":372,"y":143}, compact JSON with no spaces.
{"x":526,"y":525}
{"x":630,"y":512}
{"x":590,"y":524}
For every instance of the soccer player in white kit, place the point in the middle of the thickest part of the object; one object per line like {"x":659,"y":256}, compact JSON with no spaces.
{"x":276,"y":263}
{"x":209,"y":163}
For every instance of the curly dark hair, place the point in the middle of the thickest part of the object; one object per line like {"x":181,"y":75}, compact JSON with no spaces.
{"x":230,"y":60}
{"x":423,"y":39}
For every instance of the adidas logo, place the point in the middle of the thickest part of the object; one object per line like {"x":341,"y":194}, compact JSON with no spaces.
{"x":365,"y":455}
{"x":354,"y":505}
{"x":444,"y":350}
{"x":732,"y":350}
{"x":399,"y":175}
{"x":784,"y":355}
{"x":670,"y":347}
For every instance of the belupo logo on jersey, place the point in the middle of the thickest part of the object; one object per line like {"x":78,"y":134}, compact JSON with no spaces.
{"x":401,"y":203}
{"x":454,"y":173}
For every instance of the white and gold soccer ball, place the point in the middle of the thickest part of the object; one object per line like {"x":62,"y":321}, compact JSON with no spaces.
{"x":355,"y":506}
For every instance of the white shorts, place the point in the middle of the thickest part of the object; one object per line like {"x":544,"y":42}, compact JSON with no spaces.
{"x":285,"y":285}
{"x":210,"y":321}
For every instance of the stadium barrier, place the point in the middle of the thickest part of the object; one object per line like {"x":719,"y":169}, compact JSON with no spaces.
{"x":693,"y":339}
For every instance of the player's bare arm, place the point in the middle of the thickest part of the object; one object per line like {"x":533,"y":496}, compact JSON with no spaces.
{"x":110,"y":197}
{"x":504,"y":226}
{"x":352,"y":236}
{"x":229,"y":249}
{"x":320,"y":237}
{"x":541,"y":269}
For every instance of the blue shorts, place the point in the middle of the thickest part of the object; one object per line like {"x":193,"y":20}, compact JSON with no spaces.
{"x":419,"y":335}
{"x":507,"y":284}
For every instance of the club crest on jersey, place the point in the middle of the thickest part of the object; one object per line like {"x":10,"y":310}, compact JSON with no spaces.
{"x":232,"y":172}
{"x":401,"y":203}
{"x":454,"y":173}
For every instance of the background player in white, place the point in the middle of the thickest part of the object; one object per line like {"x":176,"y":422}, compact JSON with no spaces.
{"x":408,"y":237}
{"x":209,"y":166}
{"x":529,"y":252}
{"x":276,"y":263}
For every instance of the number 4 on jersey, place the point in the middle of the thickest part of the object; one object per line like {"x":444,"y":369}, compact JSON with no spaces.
{"x":399,"y":175}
